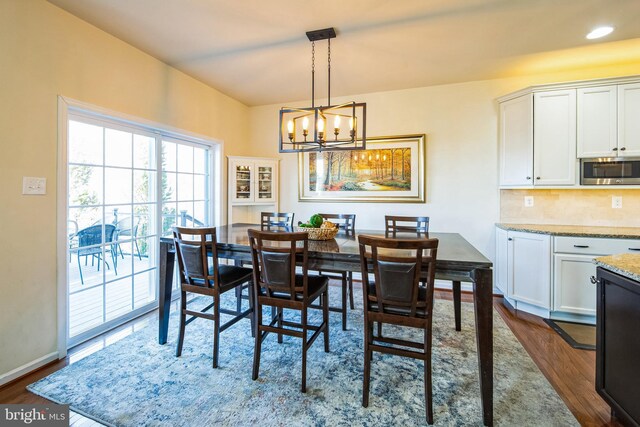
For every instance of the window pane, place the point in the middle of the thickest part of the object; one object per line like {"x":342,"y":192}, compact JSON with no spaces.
{"x":168,"y":186}
{"x":117,"y":186}
{"x":143,"y":152}
{"x":168,"y":156}
{"x":185,"y":214}
{"x":200,"y":213}
{"x":144,"y":288}
{"x":185,"y":158}
{"x":169,"y":211}
{"x":118,"y":295}
{"x":85,"y":143}
{"x":185,"y":186}
{"x":199,"y":186}
{"x":144,"y":215}
{"x":117,"y":148}
{"x":85,"y":185}
{"x":199,"y":160}
{"x":144,"y":186}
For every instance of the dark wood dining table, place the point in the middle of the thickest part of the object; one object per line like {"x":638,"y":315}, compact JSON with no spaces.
{"x":457,"y":260}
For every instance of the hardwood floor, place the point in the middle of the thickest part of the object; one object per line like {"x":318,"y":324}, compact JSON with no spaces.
{"x":570,"y":371}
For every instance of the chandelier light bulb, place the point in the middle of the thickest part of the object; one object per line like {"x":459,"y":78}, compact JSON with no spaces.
{"x":305,"y":123}
{"x":320,"y":125}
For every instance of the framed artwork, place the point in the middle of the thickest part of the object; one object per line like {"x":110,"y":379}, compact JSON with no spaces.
{"x":391,"y":169}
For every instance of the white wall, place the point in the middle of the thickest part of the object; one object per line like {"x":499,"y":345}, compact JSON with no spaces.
{"x":46,"y":52}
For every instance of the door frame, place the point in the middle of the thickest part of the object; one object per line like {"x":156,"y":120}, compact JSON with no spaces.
{"x":67,"y":105}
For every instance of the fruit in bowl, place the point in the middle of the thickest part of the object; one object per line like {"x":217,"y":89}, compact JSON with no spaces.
{"x":318,"y":228}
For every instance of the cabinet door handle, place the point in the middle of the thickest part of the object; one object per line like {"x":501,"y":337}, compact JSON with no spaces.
{"x":537,"y":177}
{"x":634,"y":249}
{"x":581,"y":246}
{"x":623,"y":148}
{"x":615,"y":148}
{"x":528,"y":177}
{"x":510,"y":238}
{"x":594,"y":280}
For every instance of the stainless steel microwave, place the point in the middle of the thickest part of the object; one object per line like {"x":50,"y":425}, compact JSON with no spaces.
{"x":610,"y":171}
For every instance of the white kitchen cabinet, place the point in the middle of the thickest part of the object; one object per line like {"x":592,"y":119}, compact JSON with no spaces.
{"x":529,"y":268}
{"x":573,"y":290}
{"x":516,"y":141}
{"x":253,"y":186}
{"x":597,"y":122}
{"x":502,"y":261}
{"x":554,"y":137}
{"x":629,"y":120}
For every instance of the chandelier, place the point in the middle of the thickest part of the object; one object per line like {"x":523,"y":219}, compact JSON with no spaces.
{"x":323,"y":128}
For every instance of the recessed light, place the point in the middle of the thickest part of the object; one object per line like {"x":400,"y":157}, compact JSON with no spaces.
{"x":596,"y":33}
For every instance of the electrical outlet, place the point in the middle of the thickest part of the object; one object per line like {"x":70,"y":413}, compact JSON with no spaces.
{"x":616,"y":202}
{"x":34,"y":185}
{"x":528,"y":201}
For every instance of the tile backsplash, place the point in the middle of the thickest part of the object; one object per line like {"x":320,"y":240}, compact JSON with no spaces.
{"x":574,"y":207}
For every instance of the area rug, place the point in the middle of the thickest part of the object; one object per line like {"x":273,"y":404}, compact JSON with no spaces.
{"x":137,"y":382}
{"x":577,"y":335}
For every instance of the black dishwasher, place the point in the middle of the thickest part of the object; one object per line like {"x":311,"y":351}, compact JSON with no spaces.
{"x":618,"y":345}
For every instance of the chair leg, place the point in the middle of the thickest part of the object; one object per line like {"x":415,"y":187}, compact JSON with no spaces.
{"x":325,"y":320}
{"x":350,"y":280}
{"x":280,"y":318}
{"x":428,"y":387}
{"x":303,"y":318}
{"x":216,"y":329}
{"x":252,"y":307}
{"x":114,"y":259}
{"x":456,"y":304}
{"x":80,"y":270}
{"x":344,"y":301}
{"x":258,"y":342}
{"x":368,"y":333}
{"x":137,"y":249}
{"x":239,"y":299}
{"x":183,"y":319}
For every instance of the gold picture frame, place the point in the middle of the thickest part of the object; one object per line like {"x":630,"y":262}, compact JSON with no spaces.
{"x":391,"y":169}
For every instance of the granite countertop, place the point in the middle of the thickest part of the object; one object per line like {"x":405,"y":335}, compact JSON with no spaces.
{"x":627,"y":265}
{"x":575,"y":230}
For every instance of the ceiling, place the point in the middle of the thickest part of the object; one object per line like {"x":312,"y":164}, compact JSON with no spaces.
{"x":256,"y":51}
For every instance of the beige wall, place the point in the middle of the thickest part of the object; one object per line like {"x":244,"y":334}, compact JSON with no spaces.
{"x":575,"y":207}
{"x":461,"y":124}
{"x":46,"y":52}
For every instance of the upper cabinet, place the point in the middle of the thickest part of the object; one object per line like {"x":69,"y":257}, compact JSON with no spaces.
{"x":253,"y":180}
{"x":629,"y":120}
{"x":538,"y":139}
{"x":545,"y":130}
{"x":608,"y":124}
{"x":516,"y":136}
{"x":554,"y":137}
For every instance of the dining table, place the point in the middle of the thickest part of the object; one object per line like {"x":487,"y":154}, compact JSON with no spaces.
{"x":457,"y":260}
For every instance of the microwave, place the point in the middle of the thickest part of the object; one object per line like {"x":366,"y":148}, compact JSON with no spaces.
{"x":610,"y":171}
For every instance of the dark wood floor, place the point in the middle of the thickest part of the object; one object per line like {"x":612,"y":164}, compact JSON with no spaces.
{"x":570,"y":371}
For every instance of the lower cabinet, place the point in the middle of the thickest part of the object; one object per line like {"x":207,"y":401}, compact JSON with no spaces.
{"x":574,"y":292}
{"x":552,"y":276}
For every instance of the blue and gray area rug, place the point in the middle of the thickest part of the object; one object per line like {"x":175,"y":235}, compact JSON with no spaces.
{"x":137,"y":382}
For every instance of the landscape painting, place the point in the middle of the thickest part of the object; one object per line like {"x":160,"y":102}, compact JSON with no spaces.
{"x":391,"y":169}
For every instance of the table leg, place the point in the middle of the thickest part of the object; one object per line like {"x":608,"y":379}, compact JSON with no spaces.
{"x":165,"y":272}
{"x":483,"y":304}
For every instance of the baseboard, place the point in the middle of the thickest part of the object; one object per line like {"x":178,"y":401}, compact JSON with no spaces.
{"x":27,"y":368}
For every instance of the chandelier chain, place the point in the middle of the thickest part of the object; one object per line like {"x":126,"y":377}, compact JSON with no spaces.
{"x":329,"y":71}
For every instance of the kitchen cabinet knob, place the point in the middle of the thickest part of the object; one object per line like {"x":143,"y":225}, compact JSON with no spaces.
{"x":594,"y":280}
{"x":528,"y":177}
{"x":623,"y":148}
{"x":537,"y":177}
{"x":510,"y":238}
{"x":615,"y":149}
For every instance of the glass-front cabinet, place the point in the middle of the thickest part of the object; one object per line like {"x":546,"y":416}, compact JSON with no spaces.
{"x":253,"y":186}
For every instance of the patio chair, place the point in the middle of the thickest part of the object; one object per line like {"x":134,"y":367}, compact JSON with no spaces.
{"x":126,"y":228}
{"x":90,"y":243}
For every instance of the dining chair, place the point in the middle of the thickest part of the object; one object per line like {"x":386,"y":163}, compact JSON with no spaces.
{"x":276,"y":285}
{"x":276,"y":220}
{"x":398,"y":296}
{"x":126,"y":228}
{"x":420,"y":226}
{"x":201,"y":274}
{"x":346,"y":224}
{"x":90,"y":242}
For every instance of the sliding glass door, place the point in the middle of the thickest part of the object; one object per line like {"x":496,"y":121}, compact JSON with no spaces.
{"x":127,"y":186}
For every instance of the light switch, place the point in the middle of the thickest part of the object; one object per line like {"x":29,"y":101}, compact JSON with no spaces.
{"x":616,"y":202}
{"x":34,"y":185}
{"x":528,"y":201}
